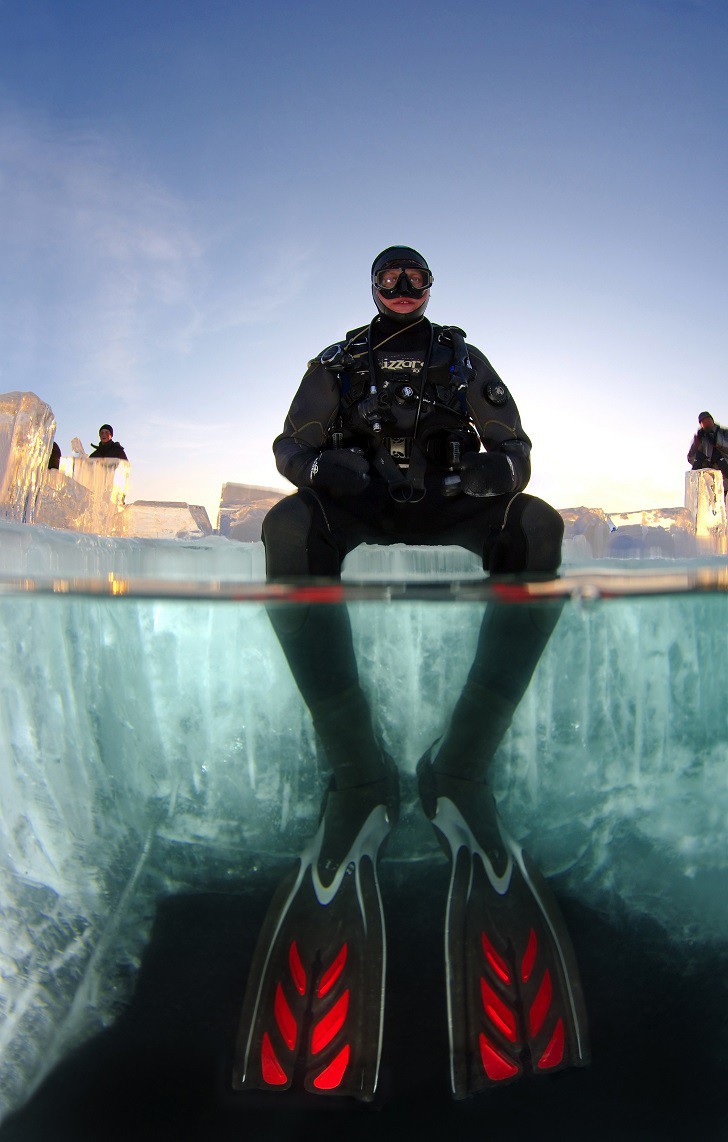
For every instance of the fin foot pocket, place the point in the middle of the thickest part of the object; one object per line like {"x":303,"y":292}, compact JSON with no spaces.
{"x":314,"y":1005}
{"x":514,"y":997}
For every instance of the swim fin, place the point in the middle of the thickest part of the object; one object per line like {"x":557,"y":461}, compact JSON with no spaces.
{"x":314,"y":1005}
{"x":514,"y":999}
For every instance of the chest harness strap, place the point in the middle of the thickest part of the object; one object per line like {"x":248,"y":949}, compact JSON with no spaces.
{"x":405,"y":486}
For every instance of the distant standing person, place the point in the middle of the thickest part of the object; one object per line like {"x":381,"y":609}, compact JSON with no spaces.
{"x":709,"y":448}
{"x":107,"y":448}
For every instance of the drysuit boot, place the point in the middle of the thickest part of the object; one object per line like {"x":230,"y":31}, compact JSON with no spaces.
{"x":344,"y":726}
{"x":477,"y":726}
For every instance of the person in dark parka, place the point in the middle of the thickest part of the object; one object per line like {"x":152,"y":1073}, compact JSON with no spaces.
{"x":107,"y":448}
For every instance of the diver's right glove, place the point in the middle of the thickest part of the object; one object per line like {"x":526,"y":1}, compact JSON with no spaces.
{"x":487,"y":474}
{"x":342,"y":472}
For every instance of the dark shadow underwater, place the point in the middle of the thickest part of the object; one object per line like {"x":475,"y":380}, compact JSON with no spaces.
{"x":658,"y":1014}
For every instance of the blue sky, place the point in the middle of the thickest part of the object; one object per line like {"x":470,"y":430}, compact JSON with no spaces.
{"x":191,"y":195}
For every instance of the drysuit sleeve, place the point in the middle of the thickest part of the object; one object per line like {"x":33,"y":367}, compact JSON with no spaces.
{"x":495,"y":416}
{"x":308,"y":424}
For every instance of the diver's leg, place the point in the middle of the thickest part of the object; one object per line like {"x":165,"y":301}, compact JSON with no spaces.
{"x":514,"y":996}
{"x":300,"y":543}
{"x":314,"y":1004}
{"x":510,"y":643}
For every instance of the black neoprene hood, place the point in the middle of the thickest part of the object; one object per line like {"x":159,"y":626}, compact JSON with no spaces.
{"x":398,"y":256}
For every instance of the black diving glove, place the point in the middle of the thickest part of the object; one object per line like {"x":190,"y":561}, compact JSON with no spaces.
{"x":487,"y":474}
{"x":343,"y":472}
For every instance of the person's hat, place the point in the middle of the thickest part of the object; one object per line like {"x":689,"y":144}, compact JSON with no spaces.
{"x":701,"y":416}
{"x":398,"y":256}
{"x":107,"y":427}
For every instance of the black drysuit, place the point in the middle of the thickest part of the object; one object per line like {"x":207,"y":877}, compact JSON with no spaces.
{"x":398,"y":401}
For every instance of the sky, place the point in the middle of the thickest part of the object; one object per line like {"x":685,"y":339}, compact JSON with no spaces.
{"x":192,"y":193}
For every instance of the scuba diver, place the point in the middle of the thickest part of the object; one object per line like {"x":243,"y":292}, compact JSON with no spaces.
{"x":404,"y":433}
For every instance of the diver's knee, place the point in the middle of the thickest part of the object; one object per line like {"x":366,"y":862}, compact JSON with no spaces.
{"x":285,"y":534}
{"x":287,"y":521}
{"x":543,"y":530}
{"x":529,"y":539}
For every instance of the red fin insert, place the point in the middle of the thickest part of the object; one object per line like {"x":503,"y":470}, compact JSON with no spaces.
{"x":330,"y":1024}
{"x":529,"y":957}
{"x":554,"y":1053}
{"x":498,"y":964}
{"x":498,"y":1012}
{"x":298,"y":972}
{"x":270,"y":1068}
{"x":497,"y":1067}
{"x":285,"y":1019}
{"x":540,"y":1006}
{"x":332,"y":1075}
{"x":332,"y":973}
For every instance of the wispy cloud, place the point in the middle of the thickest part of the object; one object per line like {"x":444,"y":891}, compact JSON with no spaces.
{"x":101,"y":260}
{"x":109,"y":271}
{"x":259,"y":271}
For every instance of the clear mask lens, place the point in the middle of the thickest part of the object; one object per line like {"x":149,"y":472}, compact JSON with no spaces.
{"x":389,"y":281}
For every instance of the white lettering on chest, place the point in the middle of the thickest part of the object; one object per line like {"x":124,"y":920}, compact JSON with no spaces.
{"x":401,"y":364}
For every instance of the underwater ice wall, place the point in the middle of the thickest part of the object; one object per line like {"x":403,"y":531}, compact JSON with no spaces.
{"x":131,"y":728}
{"x":75,"y":812}
{"x":118,"y":723}
{"x":617,"y":765}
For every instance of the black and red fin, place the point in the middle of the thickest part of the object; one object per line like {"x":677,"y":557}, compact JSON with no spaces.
{"x":515,"y":1002}
{"x":521,"y":1006}
{"x":314,"y":1007}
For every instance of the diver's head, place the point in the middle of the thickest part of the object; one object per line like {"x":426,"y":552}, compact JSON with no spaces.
{"x":401,"y":281}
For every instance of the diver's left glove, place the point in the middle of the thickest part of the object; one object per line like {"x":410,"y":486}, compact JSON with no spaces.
{"x":343,"y":472}
{"x":487,"y":474}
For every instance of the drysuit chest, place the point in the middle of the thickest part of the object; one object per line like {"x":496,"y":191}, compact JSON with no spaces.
{"x":398,"y":399}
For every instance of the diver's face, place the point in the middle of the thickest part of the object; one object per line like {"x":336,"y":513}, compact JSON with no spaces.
{"x":104,"y":436}
{"x":403,"y":289}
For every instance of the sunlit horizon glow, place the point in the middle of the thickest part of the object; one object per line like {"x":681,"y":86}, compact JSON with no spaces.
{"x":193,"y":195}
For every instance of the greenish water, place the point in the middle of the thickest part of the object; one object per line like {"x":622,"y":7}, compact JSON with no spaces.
{"x":154,"y":749}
